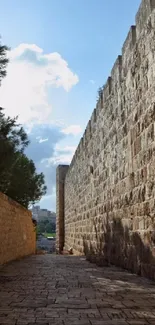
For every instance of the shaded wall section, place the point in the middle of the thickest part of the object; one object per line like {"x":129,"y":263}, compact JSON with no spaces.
{"x":60,"y":207}
{"x":17,"y":233}
{"x":110,"y":184}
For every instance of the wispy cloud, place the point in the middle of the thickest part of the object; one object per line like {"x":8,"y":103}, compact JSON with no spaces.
{"x":61,"y":155}
{"x":92,"y":81}
{"x":43,"y":140}
{"x":72,"y":129}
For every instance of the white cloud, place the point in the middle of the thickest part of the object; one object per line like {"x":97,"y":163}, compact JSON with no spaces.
{"x":29,"y":74}
{"x":72,"y":129}
{"x":49,"y":201}
{"x":62,"y":155}
{"x":62,"y":159}
{"x":92,"y":82}
{"x":46,"y":197}
{"x":43,"y":140}
{"x":59,"y":148}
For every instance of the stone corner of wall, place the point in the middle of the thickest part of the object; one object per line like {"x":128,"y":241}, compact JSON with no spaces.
{"x":93,"y":118}
{"x":4,"y":197}
{"x":129,"y":41}
{"x":145,"y":9}
{"x":61,"y":172}
{"x":80,"y":147}
{"x":62,"y":166}
{"x":106,"y":91}
{"x":87,"y":135}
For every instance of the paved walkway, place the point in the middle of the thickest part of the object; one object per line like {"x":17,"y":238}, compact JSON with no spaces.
{"x":67,"y":290}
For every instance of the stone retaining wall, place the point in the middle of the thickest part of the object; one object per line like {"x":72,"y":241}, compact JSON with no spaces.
{"x":17,"y":233}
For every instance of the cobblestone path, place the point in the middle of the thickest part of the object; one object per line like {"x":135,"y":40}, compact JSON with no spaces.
{"x":56,"y":290}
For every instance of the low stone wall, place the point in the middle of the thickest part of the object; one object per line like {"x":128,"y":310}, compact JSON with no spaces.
{"x":17,"y":233}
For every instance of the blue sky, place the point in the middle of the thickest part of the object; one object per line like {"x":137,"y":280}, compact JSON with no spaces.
{"x":62,"y":51}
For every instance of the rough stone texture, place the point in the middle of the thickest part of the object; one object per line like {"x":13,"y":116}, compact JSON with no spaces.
{"x":60,"y":178}
{"x":59,"y":290}
{"x":17,"y":233}
{"x":110,"y":185}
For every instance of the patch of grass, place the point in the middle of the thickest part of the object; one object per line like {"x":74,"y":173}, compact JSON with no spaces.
{"x":49,"y":234}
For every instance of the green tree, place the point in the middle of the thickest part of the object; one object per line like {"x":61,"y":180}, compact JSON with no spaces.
{"x":46,"y":225}
{"x":22,"y":183}
{"x":13,"y":139}
{"x":49,"y":228}
{"x":18,"y":176}
{"x":41,"y":228}
{"x":3,"y":61}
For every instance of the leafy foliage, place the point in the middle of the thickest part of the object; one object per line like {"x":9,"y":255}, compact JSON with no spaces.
{"x":13,"y":139}
{"x":18,"y":176}
{"x":46,"y":226}
{"x":3,"y":61}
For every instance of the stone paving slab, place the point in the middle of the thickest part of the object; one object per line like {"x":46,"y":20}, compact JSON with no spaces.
{"x":67,"y":290}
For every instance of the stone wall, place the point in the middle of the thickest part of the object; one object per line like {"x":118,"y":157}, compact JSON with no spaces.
{"x":110,"y":184}
{"x":17,"y":233}
{"x":60,"y":178}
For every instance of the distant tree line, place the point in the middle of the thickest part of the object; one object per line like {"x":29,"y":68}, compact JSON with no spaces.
{"x":46,"y":226}
{"x":18,"y":177}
